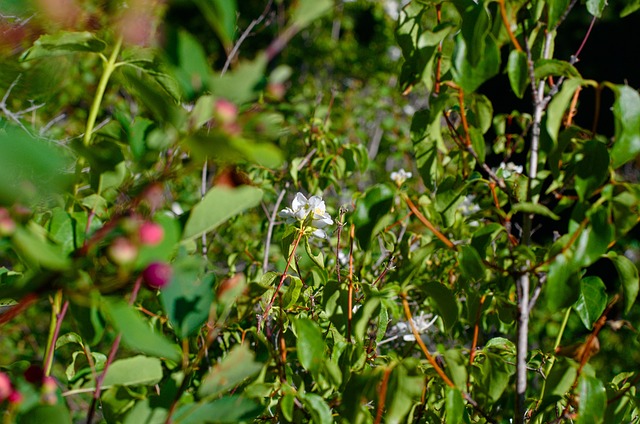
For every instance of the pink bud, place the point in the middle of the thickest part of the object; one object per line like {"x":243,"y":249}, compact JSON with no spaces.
{"x":225,"y":112}
{"x":276,"y":90}
{"x":151,"y":233}
{"x":122,"y":251}
{"x":5,"y":386}
{"x":7,"y":224}
{"x":15,"y":397}
{"x":157,"y":275}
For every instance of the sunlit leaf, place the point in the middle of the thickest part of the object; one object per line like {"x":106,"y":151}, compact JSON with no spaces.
{"x":228,"y":410}
{"x":64,"y":43}
{"x":592,"y":300}
{"x":309,"y":344}
{"x":309,"y":10}
{"x":628,"y":275}
{"x":518,"y":71}
{"x":626,"y":113}
{"x":593,"y":400}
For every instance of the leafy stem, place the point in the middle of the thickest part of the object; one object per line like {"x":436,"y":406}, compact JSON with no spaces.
{"x":109,"y":66}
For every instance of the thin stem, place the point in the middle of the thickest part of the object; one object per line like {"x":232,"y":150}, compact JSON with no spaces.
{"x":272,"y":221}
{"x":382,"y":395}
{"x":109,"y":67}
{"x":428,"y":224}
{"x":552,"y":360}
{"x":507,"y":26}
{"x":58,"y":314}
{"x":350,"y":289}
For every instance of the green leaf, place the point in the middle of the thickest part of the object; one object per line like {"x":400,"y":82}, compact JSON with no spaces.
{"x":593,"y":169}
{"x":535,"y":208}
{"x":135,"y":371}
{"x":518,"y":71}
{"x":595,"y":7}
{"x":219,"y":205}
{"x":309,"y":344}
{"x":477,"y":142}
{"x":228,"y":410}
{"x":223,"y":147}
{"x":144,"y":412}
{"x":594,"y":239}
{"x":628,"y":275}
{"x":307,"y":11}
{"x":64,"y":43}
{"x":317,"y":407}
{"x":190,"y":65}
{"x":37,"y":250}
{"x":50,"y":414}
{"x":369,"y":210}
{"x":557,"y":9}
{"x":444,"y":300}
{"x":468,"y":76}
{"x":293,"y":292}
{"x":471,"y":264}
{"x":136,"y":332}
{"x":562,"y":282}
{"x":454,"y":406}
{"x":240,"y":85}
{"x":554,"y":67}
{"x":405,"y":387}
{"x":626,"y":114}
{"x":456,"y":367}
{"x":631,"y":7}
{"x":31,"y":169}
{"x":592,"y":300}
{"x":188,"y":297}
{"x":221,"y":15}
{"x":233,"y":369}
{"x":558,"y":106}
{"x":593,"y":400}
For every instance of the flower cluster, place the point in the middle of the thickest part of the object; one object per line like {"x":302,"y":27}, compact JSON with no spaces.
{"x":400,"y":177}
{"x":312,"y":209}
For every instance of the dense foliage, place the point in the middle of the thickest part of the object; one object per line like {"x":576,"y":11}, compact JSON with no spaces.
{"x":316,"y":211}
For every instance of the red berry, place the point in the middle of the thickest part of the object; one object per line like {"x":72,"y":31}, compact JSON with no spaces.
{"x":157,"y":275}
{"x":34,"y":374}
{"x":225,"y":112}
{"x":122,"y":251}
{"x":151,"y":233}
{"x":15,"y":397}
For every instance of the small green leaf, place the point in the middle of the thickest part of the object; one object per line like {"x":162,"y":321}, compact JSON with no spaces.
{"x":369,"y":210}
{"x":562,"y":282}
{"x":471,"y":264}
{"x":477,"y":142}
{"x":595,"y":7}
{"x":558,"y":106}
{"x":64,"y":43}
{"x":308,"y":11}
{"x":593,"y":400}
{"x":136,"y":332}
{"x":554,"y":67}
{"x":456,"y":367}
{"x":594,"y":240}
{"x":626,"y":113}
{"x":535,"y":208}
{"x":219,"y":205}
{"x":293,"y":292}
{"x":518,"y":71}
{"x":309,"y":344}
{"x":134,"y":371}
{"x":557,"y":9}
{"x":39,"y":251}
{"x":628,"y":275}
{"x":50,"y":414}
{"x":233,"y":369}
{"x":468,"y":76}
{"x":593,"y":169}
{"x":240,"y":85}
{"x":221,"y":15}
{"x":227,"y":410}
{"x":317,"y":408}
{"x":592,"y":300}
{"x":631,"y":7}
{"x":445,"y":302}
{"x":454,"y":406}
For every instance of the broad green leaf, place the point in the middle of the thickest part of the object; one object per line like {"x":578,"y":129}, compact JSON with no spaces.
{"x":628,"y":275}
{"x":136,"y":331}
{"x":535,"y":208}
{"x":593,"y":400}
{"x":317,"y":408}
{"x":307,"y":11}
{"x":293,"y":292}
{"x":221,"y":16}
{"x":454,"y":406}
{"x":626,"y":114}
{"x":562,"y":285}
{"x":561,"y":378}
{"x":595,"y":7}
{"x":226,"y":410}
{"x":191,"y":67}
{"x":188,"y":297}
{"x":405,"y":386}
{"x":135,"y":371}
{"x":222,"y":147}
{"x":37,"y":250}
{"x":468,"y":76}
{"x":558,"y":106}
{"x":219,"y":205}
{"x":593,"y":169}
{"x":557,"y":9}
{"x":369,"y":210}
{"x":554,"y":67}
{"x":50,"y":414}
{"x":497,"y":367}
{"x":233,"y":369}
{"x":594,"y":240}
{"x":31,"y":169}
{"x":144,"y":412}
{"x":363,"y":317}
{"x":457,"y":367}
{"x":444,"y":300}
{"x":471,"y":264}
{"x":518,"y":71}
{"x":631,"y":7}
{"x":64,"y":43}
{"x":240,"y":85}
{"x":592,"y":300}
{"x":309,"y":344}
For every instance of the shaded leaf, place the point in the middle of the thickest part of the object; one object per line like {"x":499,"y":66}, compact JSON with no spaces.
{"x":38,"y":251}
{"x":628,"y":274}
{"x":229,"y":409}
{"x":518,"y":71}
{"x":626,"y":113}
{"x":309,"y":344}
{"x":233,"y":369}
{"x":50,"y":414}
{"x":592,"y":300}
{"x":309,"y":10}
{"x":317,"y":408}
{"x":468,"y":76}
{"x":593,"y":169}
{"x":454,"y":406}
{"x":558,"y":106}
{"x":63,"y":43}
{"x":471,"y":263}
{"x":445,"y":302}
{"x":554,"y":67}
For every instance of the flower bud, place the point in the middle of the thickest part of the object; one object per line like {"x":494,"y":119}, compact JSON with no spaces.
{"x":122,"y":251}
{"x":15,"y":397}
{"x":7,"y":224}
{"x":157,"y":275}
{"x":225,"y":112}
{"x":150,"y":233}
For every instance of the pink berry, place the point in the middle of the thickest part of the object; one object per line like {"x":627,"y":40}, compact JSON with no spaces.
{"x":225,"y":112}
{"x":5,"y":386}
{"x":151,"y":233}
{"x":122,"y":251}
{"x":157,"y":275}
{"x":15,"y":397}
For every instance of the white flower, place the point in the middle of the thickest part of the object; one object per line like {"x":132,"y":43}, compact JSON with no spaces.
{"x":510,"y":168}
{"x":468,"y":207}
{"x":302,"y":208}
{"x":400,"y":177}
